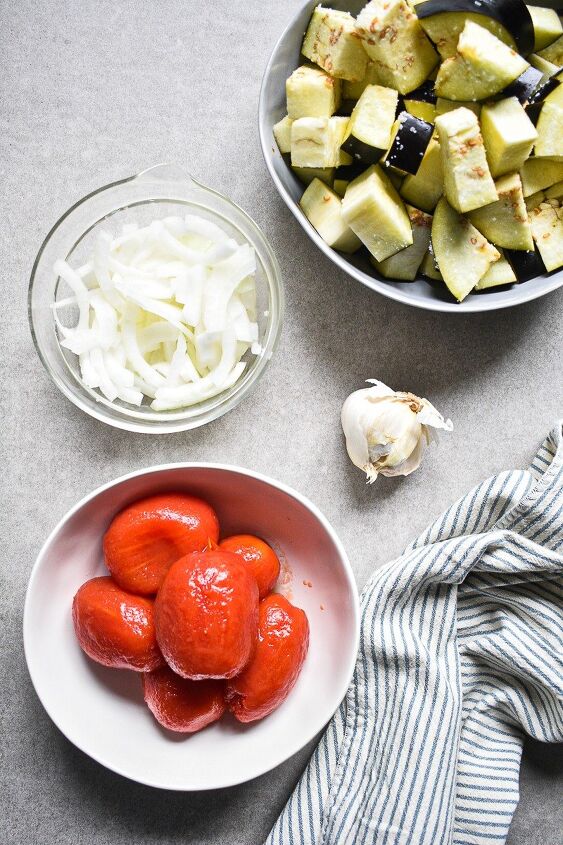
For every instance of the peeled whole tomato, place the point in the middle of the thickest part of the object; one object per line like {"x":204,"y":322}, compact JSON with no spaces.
{"x":260,"y":558}
{"x":182,"y":705}
{"x":206,"y":615}
{"x":146,"y":538}
{"x":283,"y":641}
{"x":115,"y":628}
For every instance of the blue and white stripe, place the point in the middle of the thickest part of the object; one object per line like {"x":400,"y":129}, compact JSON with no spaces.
{"x":460,"y":657}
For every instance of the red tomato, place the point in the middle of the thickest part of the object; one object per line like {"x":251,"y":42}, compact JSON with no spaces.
{"x":261,"y":559}
{"x":283,"y":641}
{"x":146,"y":538}
{"x":206,"y":615}
{"x":115,"y":628}
{"x":182,"y":705}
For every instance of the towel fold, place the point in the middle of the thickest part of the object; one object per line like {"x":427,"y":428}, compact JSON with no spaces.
{"x":460,"y":657}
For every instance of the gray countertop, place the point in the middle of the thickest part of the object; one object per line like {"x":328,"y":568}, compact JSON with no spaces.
{"x":99,"y":90}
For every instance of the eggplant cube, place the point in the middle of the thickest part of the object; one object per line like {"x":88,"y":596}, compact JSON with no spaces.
{"x":482,"y":66}
{"x":539,"y":173}
{"x":412,"y":136}
{"x":371,"y":122}
{"x":404,"y":264}
{"x":468,"y":183}
{"x":395,"y":41}
{"x":331,"y":43}
{"x":282,"y":134}
{"x":354,"y":90}
{"x":505,"y":222}
{"x":547,"y":26}
{"x":553,"y":53}
{"x":323,"y":209}
{"x":499,"y":273}
{"x":375,"y":212}
{"x":311,"y":93}
{"x":316,"y":141}
{"x":547,"y":229}
{"x":509,"y":135}
{"x":424,"y":189}
{"x":462,"y":253}
{"x":550,"y":126}
{"x":307,"y":174}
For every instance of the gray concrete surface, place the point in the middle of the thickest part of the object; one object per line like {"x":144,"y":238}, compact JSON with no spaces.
{"x":98,"y":90}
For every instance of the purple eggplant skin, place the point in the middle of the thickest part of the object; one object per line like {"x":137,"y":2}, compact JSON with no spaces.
{"x":512,"y":14}
{"x":524,"y":85}
{"x":526,"y":264}
{"x":425,"y":93}
{"x":362,"y":152}
{"x":544,"y":90}
{"x":410,"y":143}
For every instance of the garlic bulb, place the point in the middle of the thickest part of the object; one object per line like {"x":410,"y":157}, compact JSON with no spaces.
{"x":385,"y":430}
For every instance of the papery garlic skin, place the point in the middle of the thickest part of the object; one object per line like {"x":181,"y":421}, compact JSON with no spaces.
{"x":385,"y":430}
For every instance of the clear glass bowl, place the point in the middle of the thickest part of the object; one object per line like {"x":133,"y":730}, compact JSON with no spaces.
{"x":158,"y":192}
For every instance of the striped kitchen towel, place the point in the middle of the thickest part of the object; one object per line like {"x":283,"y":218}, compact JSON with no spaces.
{"x":460,"y":656}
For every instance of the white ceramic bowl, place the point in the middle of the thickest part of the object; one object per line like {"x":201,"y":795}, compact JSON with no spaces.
{"x":102,"y":710}
{"x":421,"y":293}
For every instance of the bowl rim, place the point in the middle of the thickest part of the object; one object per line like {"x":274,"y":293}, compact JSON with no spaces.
{"x":290,"y":749}
{"x":101,"y":411}
{"x":478,"y":305}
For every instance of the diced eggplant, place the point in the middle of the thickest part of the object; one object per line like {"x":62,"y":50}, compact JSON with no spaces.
{"x":550,"y":127}
{"x":543,"y":91}
{"x":323,"y":209}
{"x":443,"y":106}
{"x":371,"y":122}
{"x":547,"y":26}
{"x":548,"y":69}
{"x":547,"y":229}
{"x":340,"y":186}
{"x":509,"y":135}
{"x":554,"y":192}
{"x":316,"y":141}
{"x":553,"y":53}
{"x":534,"y":200}
{"x":429,"y":268}
{"x":524,"y":86}
{"x":375,"y":212}
{"x":508,"y":20}
{"x":468,"y":183}
{"x":307,"y":174}
{"x":282,"y":134}
{"x":505,"y":222}
{"x":462,"y":253}
{"x":482,"y":66}
{"x":344,"y":159}
{"x":526,"y":265}
{"x":537,"y":174}
{"x":354,"y":90}
{"x":311,"y":92}
{"x":411,"y":139}
{"x":393,"y":38}
{"x":418,"y":108}
{"x":331,"y":43}
{"x":499,"y":273}
{"x":404,"y":264}
{"x":424,"y":189}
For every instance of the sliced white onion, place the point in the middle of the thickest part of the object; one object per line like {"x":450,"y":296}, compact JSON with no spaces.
{"x":165,"y":312}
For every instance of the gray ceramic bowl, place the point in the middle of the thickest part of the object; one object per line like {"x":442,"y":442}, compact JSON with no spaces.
{"x":420,"y":293}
